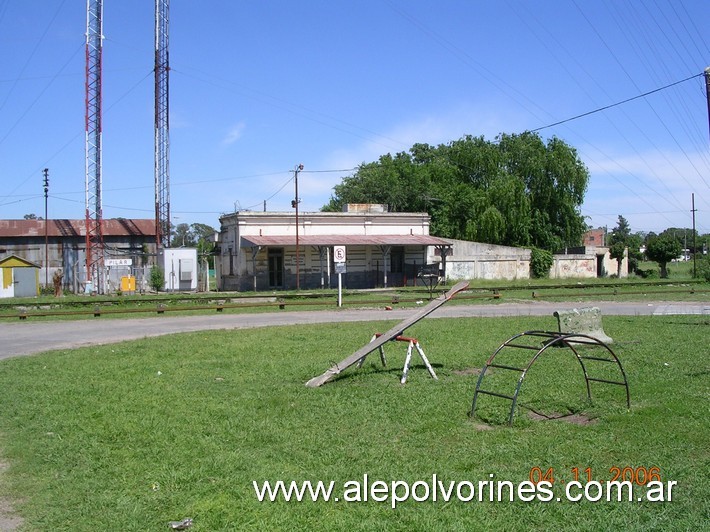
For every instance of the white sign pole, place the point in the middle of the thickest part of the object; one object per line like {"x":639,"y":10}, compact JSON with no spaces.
{"x":339,"y":256}
{"x":340,"y":290}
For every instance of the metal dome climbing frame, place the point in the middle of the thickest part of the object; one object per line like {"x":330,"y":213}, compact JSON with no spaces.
{"x":572,"y":341}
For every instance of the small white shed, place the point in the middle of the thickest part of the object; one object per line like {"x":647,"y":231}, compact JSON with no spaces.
{"x":180,"y":268}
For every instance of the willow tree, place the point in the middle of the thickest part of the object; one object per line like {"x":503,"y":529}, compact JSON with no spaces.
{"x":517,"y":191}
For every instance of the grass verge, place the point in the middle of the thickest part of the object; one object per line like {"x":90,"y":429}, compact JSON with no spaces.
{"x":481,"y":292}
{"x":132,"y":435}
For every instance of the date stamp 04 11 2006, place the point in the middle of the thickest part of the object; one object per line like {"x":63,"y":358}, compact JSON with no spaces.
{"x":636,"y":475}
{"x":649,"y":477}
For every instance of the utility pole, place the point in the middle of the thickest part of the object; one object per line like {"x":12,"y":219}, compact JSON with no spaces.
{"x":46,"y":230}
{"x":294,"y":204}
{"x":695,"y":250}
{"x":707,"y":90}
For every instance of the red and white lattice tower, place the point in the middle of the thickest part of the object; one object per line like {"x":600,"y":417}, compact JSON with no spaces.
{"x":162,"y":130}
{"x":94,"y":235}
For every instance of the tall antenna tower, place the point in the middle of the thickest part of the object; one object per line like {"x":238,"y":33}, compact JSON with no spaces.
{"x":162,"y":129}
{"x":94,"y":234}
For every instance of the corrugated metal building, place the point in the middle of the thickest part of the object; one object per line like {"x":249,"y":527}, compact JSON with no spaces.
{"x":66,"y":245}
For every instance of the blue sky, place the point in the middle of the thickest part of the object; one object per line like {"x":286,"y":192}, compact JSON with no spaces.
{"x":257,"y":88}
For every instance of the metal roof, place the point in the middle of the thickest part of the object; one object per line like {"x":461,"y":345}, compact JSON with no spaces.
{"x":344,"y":240}
{"x":75,"y":228}
{"x":16,"y":260}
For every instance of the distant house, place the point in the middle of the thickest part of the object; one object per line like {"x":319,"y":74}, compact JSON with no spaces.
{"x":258,"y":250}
{"x":594,"y":237}
{"x":66,"y":245}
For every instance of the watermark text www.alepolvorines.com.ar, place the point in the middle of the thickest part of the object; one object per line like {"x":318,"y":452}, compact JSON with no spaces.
{"x":434,"y":489}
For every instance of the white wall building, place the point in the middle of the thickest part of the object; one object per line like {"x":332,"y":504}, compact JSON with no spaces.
{"x":258,"y":250}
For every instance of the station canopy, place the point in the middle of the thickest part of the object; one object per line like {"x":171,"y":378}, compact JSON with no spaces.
{"x":343,"y":240}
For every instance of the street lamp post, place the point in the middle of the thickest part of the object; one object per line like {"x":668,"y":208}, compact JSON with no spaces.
{"x":294,"y":204}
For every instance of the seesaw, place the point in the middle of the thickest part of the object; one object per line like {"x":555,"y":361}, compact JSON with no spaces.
{"x":382,"y":339}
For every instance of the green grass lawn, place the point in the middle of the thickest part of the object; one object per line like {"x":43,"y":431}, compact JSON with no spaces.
{"x":132,"y":435}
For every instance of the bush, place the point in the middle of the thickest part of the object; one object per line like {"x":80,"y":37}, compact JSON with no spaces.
{"x":704,"y":269}
{"x":649,"y":273}
{"x":540,"y":263}
{"x":157,"y":278}
{"x":633,"y":264}
{"x":46,"y":290}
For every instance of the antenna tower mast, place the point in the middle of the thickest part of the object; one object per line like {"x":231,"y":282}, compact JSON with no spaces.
{"x":94,"y":233}
{"x":162,"y":129}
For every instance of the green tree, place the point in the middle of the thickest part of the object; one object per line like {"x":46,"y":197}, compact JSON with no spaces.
{"x":634,"y":244}
{"x":662,"y":250}
{"x":202,"y":231}
{"x":508,"y":196}
{"x":619,"y":242}
{"x":516,"y":191}
{"x":704,"y":267}
{"x":684,"y":235}
{"x":491,"y":225}
{"x":182,"y":237}
{"x":193,"y":235}
{"x":196,"y":235}
{"x":157,"y":278}
{"x":395,"y":181}
{"x":617,"y":250}
{"x":205,"y":236}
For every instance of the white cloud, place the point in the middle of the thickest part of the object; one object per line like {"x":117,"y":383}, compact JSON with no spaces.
{"x":234,"y":134}
{"x":433,"y":128}
{"x":652,"y":189}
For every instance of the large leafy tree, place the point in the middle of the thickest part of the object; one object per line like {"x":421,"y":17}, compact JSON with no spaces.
{"x":393,"y":180}
{"x":683,"y":235}
{"x":663,"y":249}
{"x":516,"y":191}
{"x":182,"y":236}
{"x":193,"y":235}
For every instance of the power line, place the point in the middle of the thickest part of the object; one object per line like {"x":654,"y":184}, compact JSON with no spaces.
{"x":571,"y":58}
{"x":615,"y":104}
{"x":32,"y":54}
{"x":71,"y":140}
{"x":200,"y":181}
{"x":58,"y":195}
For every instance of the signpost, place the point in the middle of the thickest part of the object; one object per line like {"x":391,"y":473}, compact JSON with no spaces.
{"x":128,"y":282}
{"x":340,"y":269}
{"x":118,"y":262}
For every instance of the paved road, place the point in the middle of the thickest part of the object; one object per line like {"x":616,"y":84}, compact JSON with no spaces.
{"x":19,"y":338}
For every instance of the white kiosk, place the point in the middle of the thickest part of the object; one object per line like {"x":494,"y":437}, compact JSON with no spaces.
{"x":180,"y":268}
